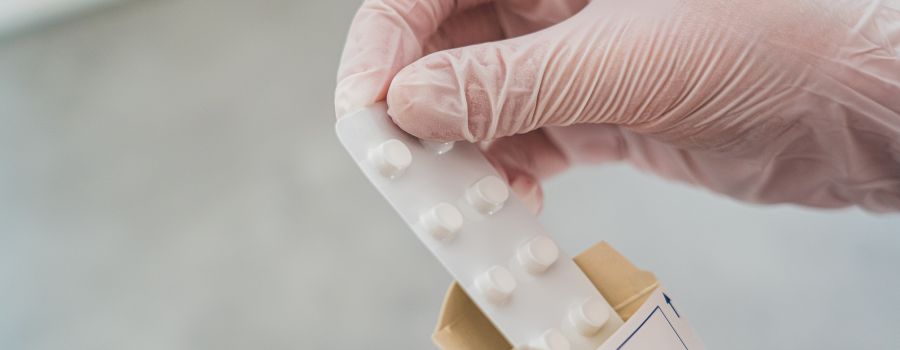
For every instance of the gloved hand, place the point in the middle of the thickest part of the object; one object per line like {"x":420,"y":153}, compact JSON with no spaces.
{"x":763,"y":100}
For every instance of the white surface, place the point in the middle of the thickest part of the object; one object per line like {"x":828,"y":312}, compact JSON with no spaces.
{"x":15,"y":14}
{"x":658,"y":325}
{"x":169,"y":180}
{"x":483,"y":254}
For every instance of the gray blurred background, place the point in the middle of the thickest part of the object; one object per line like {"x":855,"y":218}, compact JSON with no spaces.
{"x":170,"y":179}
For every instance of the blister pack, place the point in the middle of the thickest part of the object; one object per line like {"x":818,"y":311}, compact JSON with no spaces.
{"x":463,"y":211}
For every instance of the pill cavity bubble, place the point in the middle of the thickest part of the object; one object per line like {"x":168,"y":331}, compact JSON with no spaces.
{"x":441,"y":221}
{"x":437,"y":146}
{"x":391,"y":157}
{"x":552,"y":339}
{"x":488,"y":194}
{"x":497,"y":284}
{"x":590,"y":316}
{"x":537,"y":254}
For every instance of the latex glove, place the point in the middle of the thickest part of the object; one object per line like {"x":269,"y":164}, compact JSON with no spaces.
{"x":766,"y":101}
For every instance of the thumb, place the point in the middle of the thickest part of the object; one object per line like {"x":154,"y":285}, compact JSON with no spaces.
{"x":490,"y":90}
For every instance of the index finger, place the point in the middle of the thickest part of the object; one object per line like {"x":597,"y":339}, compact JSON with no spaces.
{"x":384,"y":37}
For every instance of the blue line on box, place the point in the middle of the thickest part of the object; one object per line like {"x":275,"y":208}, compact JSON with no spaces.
{"x":645,"y":321}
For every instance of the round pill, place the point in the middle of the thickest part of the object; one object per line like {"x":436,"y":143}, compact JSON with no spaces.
{"x":437,"y":146}
{"x":488,"y":194}
{"x":552,"y":339}
{"x":538,"y":254}
{"x":391,"y":157}
{"x":442,"y":221}
{"x":590,"y":316}
{"x":497,"y":283}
